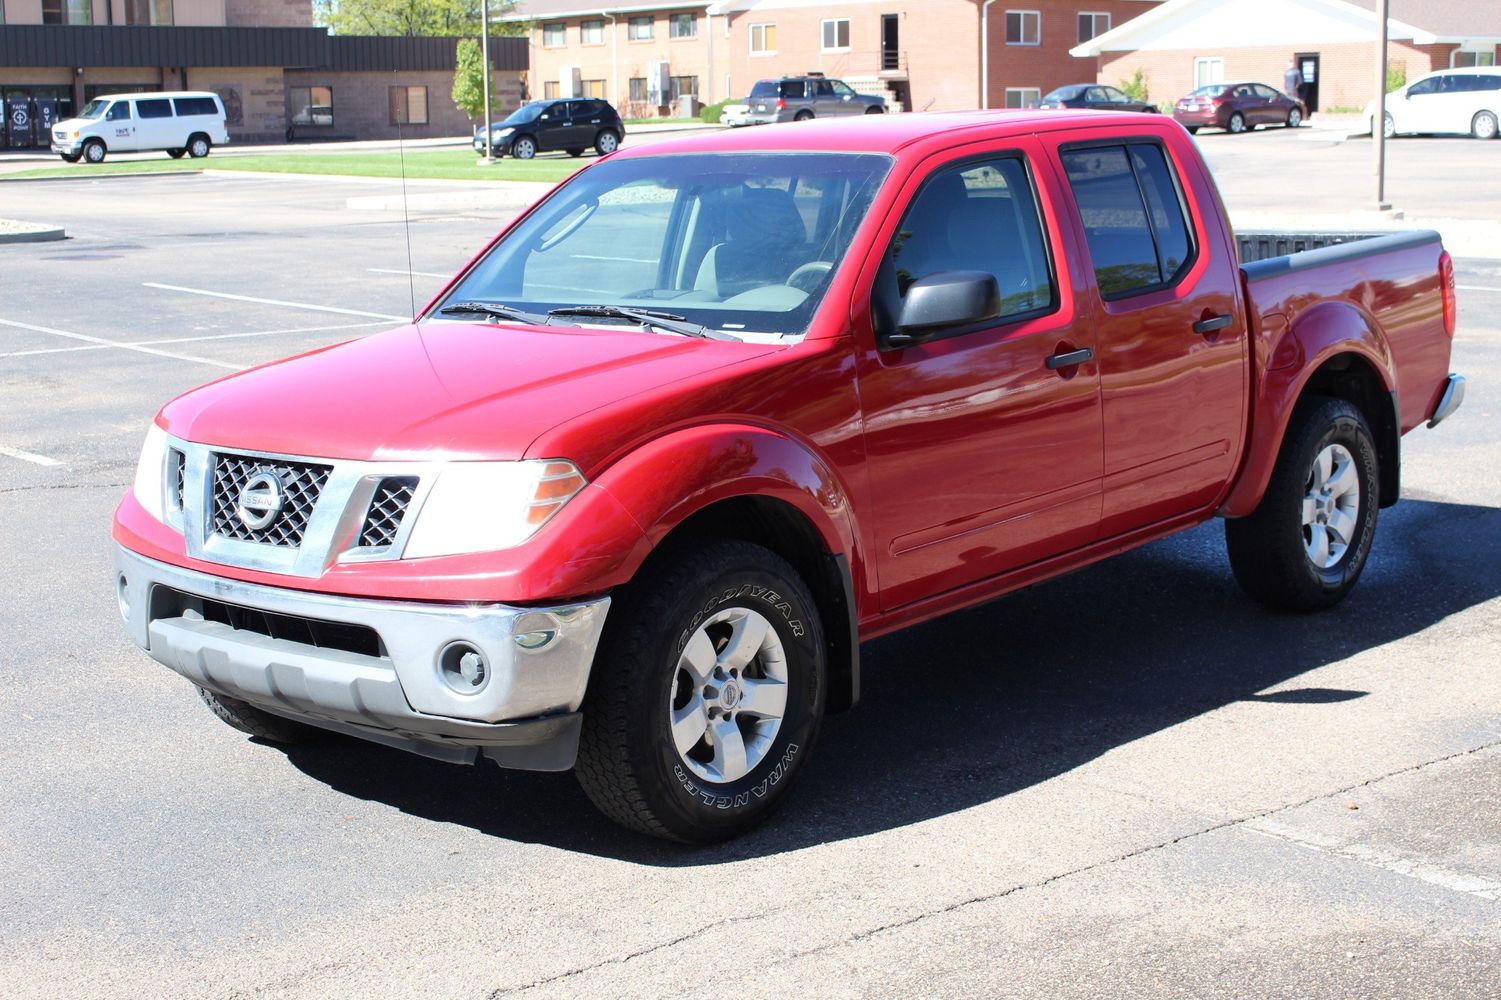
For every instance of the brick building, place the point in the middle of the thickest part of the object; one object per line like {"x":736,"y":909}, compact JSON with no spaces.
{"x":1183,"y":44}
{"x":921,"y":54}
{"x":279,"y":76}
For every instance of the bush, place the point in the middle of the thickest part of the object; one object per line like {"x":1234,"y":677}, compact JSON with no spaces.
{"x":710,"y":113}
{"x":1136,"y":87}
{"x":1396,"y":76}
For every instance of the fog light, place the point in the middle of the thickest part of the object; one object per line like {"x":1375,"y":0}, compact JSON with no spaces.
{"x":464,"y":667}
{"x":122,"y":596}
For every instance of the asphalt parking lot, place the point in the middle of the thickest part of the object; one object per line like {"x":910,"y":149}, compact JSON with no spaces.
{"x":1173,"y":794}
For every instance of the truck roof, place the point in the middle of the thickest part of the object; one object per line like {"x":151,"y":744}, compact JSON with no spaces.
{"x":884,"y":133}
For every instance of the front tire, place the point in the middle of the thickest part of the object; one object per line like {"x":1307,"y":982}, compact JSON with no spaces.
{"x":524,"y":148}
{"x":1483,"y":125}
{"x":252,"y":721}
{"x":1294,"y":118}
{"x":1304,"y":547}
{"x":1237,"y":124}
{"x":1388,"y":126}
{"x":93,"y":151}
{"x":707,"y":697}
{"x":71,"y":157}
{"x":874,"y":110}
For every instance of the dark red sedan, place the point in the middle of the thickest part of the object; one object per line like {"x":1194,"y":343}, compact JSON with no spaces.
{"x":1238,"y":107}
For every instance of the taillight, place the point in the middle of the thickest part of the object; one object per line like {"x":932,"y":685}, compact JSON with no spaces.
{"x":1446,"y":286}
{"x":1217,"y":101}
{"x":781,"y":104}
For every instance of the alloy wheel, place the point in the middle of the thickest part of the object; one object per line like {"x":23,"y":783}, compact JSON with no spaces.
{"x":1331,"y":506}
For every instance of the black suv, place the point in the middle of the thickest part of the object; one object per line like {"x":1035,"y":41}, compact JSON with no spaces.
{"x":570,"y":123}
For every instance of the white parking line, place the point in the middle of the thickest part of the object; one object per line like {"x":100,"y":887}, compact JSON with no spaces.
{"x":29,"y":456}
{"x":115,"y":343}
{"x":275,"y":302}
{"x":1476,"y":288}
{"x":420,"y":274}
{"x":191,"y":340}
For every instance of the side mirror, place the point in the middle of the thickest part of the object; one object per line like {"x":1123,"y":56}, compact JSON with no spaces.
{"x":945,"y":300}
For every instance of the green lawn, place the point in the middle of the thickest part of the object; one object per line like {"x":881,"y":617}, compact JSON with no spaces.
{"x":448,"y":164}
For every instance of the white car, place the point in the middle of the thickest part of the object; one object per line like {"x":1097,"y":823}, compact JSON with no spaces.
{"x":177,"y":122}
{"x":1459,"y":101}
{"x":734,"y":115}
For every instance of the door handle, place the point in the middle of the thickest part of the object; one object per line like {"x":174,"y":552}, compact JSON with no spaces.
{"x":1213,"y":323}
{"x":1070,"y":359}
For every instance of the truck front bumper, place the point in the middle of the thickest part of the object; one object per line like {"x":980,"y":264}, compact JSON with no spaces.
{"x":449,"y":681}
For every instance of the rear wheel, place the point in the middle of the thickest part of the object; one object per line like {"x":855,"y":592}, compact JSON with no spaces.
{"x":1483,"y":125}
{"x":708,"y":694}
{"x":802,"y":116}
{"x":252,"y":721}
{"x":1294,"y":118}
{"x":198,"y":147}
{"x":93,"y":151}
{"x":606,"y":143}
{"x":524,"y":148}
{"x":1388,"y":126}
{"x":1307,"y":542}
{"x":1237,"y":123}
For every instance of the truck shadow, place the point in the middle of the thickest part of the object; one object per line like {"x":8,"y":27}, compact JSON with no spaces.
{"x":983,"y":703}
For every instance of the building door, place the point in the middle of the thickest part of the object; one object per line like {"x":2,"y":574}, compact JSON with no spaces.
{"x":1308,"y":65}
{"x":18,"y":130}
{"x":891,"y":50}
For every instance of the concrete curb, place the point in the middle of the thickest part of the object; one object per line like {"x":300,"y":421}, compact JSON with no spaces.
{"x":29,"y":232}
{"x":100,"y":177}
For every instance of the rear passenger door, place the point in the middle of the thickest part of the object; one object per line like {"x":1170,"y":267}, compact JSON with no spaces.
{"x":1169,"y":321}
{"x":983,"y":442}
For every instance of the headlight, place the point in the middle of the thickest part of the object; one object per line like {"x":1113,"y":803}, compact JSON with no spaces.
{"x":150,"y":473}
{"x":504,"y":132}
{"x":483,"y":506}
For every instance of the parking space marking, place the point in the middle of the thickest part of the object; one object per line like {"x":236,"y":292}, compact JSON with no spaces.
{"x":102,"y":342}
{"x":193,"y":340}
{"x":29,"y":456}
{"x":276,"y":302}
{"x":420,"y":274}
{"x":1476,"y":288}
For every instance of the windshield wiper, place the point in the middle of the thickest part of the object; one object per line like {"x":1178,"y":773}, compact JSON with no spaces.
{"x":496,"y":310}
{"x":670,"y":322}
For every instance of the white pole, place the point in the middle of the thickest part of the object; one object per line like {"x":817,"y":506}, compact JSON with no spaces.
{"x":1378,"y":120}
{"x":614,"y":95}
{"x":484,"y":46}
{"x":985,"y":55}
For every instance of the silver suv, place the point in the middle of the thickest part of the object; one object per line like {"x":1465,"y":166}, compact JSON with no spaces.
{"x":798,"y":98}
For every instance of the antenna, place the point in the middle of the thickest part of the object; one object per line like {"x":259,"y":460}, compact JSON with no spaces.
{"x":406,"y":217}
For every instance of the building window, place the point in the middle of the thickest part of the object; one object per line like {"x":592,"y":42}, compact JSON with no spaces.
{"x":836,"y":34}
{"x":310,"y":106}
{"x":640,"y":29}
{"x":408,"y":105}
{"x":592,"y":32}
{"x":148,"y":11}
{"x":554,"y":36}
{"x":592,"y":88}
{"x":67,"y":12}
{"x":1023,"y":27}
{"x":1207,"y":70}
{"x":1091,"y":25}
{"x":682,"y":26}
{"x":1460,"y":58}
{"x":684,"y":86}
{"x":763,"y":39}
{"x":550,"y":90}
{"x":638,"y":88}
{"x":1022,"y":97}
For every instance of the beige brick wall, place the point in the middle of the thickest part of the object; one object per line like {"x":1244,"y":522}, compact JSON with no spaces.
{"x":254,"y":99}
{"x":269,"y":13}
{"x":619,"y":59}
{"x":362,"y":103}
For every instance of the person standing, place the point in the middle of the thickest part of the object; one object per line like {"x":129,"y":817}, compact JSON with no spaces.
{"x":1292,"y":80}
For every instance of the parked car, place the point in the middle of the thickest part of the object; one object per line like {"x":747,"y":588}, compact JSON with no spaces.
{"x":1450,"y":101}
{"x":573,"y":124}
{"x":799,"y":98}
{"x":175,"y":122}
{"x":631,"y":491}
{"x":1094,"y":96}
{"x":736,"y":115}
{"x":1238,"y":107}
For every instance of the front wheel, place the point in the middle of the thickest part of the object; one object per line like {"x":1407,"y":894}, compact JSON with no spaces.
{"x":524,"y":148}
{"x":875,"y":110}
{"x":1305,"y":545}
{"x":1483,"y":126}
{"x":1388,"y":126}
{"x":707,"y":696}
{"x":70,"y":157}
{"x":198,"y":147}
{"x":606,"y":143}
{"x":93,"y":151}
{"x":252,"y":721}
{"x":1294,"y":118}
{"x":1237,"y":123}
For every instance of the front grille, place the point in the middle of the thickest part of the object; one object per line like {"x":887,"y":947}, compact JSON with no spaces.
{"x":169,"y":603}
{"x":179,"y":465}
{"x":301,"y":483}
{"x":387,"y":507}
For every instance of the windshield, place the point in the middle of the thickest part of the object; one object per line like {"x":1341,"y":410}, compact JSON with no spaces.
{"x":95,"y":109}
{"x":739,"y":242}
{"x":523,"y":114}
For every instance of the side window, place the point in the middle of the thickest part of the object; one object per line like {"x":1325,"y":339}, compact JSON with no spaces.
{"x":974,"y":217}
{"x":843,"y":89}
{"x":1422,"y":87}
{"x":792,"y":88}
{"x":824,"y":88}
{"x":1265,"y":92}
{"x":1115,"y":96}
{"x":1097,"y":95}
{"x":195,"y":106}
{"x":1133,"y":218}
{"x":157,"y":107}
{"x":118,"y":112}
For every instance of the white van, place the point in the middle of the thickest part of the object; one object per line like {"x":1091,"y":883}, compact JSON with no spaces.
{"x":177,"y":121}
{"x":1456,"y":101}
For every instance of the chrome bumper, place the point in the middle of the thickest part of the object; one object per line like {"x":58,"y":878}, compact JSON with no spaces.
{"x":1454,"y":395}
{"x":522,"y":711}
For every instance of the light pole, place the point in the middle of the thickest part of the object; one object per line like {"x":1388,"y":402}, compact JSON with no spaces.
{"x":484,"y":48}
{"x":1378,"y":119}
{"x":985,"y":55}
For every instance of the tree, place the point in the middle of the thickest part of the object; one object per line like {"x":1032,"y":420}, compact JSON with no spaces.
{"x":469,"y":79}
{"x":447,"y":18}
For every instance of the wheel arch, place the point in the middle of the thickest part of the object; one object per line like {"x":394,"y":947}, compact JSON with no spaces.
{"x":1333,"y":350}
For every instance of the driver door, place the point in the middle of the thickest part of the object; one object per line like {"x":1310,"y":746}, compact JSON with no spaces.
{"x":984,"y":451}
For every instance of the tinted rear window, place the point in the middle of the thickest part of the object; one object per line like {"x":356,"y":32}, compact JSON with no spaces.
{"x":157,"y":107}
{"x":764,"y":88}
{"x":196,"y":106}
{"x":1133,"y":218}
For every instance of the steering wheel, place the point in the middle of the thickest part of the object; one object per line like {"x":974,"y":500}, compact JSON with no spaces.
{"x":808,"y":276}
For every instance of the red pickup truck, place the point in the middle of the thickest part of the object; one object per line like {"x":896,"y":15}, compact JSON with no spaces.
{"x":630,"y":492}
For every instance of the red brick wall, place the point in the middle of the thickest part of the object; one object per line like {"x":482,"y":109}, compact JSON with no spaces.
{"x":362,"y":103}
{"x":1048,"y":65}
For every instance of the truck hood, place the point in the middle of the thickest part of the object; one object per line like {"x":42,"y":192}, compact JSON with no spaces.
{"x":440,"y":390}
